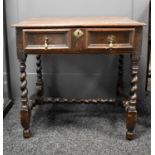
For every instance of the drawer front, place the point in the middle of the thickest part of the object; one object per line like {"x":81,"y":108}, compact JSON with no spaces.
{"x":79,"y":40}
{"x":110,"y":38}
{"x":46,"y":39}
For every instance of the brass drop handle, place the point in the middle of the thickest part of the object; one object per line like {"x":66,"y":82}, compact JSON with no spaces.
{"x":111,"y":44}
{"x":111,"y":39}
{"x":46,"y":43}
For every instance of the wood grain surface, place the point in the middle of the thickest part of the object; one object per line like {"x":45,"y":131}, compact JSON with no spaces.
{"x":99,"y":21}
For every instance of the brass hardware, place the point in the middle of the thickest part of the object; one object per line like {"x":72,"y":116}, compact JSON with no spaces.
{"x":78,"y":33}
{"x":46,"y":43}
{"x":111,"y":39}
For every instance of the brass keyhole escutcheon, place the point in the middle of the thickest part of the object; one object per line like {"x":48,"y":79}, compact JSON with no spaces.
{"x":111,"y":39}
{"x":46,"y":43}
{"x":78,"y":33}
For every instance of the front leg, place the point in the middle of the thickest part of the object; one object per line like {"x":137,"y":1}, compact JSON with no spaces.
{"x":131,"y":111}
{"x":25,"y":111}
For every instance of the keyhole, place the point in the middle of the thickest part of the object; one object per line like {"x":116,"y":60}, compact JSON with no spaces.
{"x":78,"y":33}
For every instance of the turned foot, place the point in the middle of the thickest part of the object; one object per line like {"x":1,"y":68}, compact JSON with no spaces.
{"x":130,"y":135}
{"x":25,"y":120}
{"x":26,"y":133}
{"x":131,"y":123}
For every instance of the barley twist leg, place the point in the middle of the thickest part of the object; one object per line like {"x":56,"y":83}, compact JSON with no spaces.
{"x":131,"y":111}
{"x":120,"y":76}
{"x":39,"y":83}
{"x":25,"y":111}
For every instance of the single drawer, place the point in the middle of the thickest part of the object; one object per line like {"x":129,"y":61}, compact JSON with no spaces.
{"x":110,"y":38}
{"x":46,"y":39}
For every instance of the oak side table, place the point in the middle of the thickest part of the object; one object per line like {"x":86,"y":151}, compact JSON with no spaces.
{"x":79,"y":35}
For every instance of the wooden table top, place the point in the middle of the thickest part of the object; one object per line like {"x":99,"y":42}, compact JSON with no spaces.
{"x":99,"y":21}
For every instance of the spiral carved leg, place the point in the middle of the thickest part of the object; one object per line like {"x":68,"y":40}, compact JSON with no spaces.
{"x":120,"y":76}
{"x":39,"y":83}
{"x":25,"y":111}
{"x":131,"y":111}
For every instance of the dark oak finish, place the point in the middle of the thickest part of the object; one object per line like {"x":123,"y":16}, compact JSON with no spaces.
{"x":25,"y":109}
{"x":98,"y":38}
{"x":120,"y":76}
{"x":79,"y":35}
{"x":33,"y":39}
{"x":132,"y":112}
{"x":99,"y":21}
{"x":39,"y":83}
